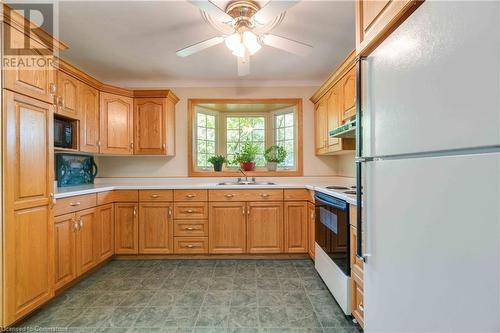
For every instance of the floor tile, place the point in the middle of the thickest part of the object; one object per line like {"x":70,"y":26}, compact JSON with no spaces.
{"x":152,"y":317}
{"x":92,"y":317}
{"x":270,"y":298}
{"x":268,"y":284}
{"x":213,"y":316}
{"x":273,"y":316}
{"x":221,"y":283}
{"x":122,"y":317}
{"x":244,"y":298}
{"x":173,"y":284}
{"x":138,"y":298}
{"x":245,"y":283}
{"x":299,"y":316}
{"x":182,"y":316}
{"x":190,"y":298}
{"x":217,"y":298}
{"x":243,"y":317}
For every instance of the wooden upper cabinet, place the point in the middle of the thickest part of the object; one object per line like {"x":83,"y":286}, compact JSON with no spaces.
{"x":104,"y":243}
{"x":348,"y":86}
{"x":154,"y":128}
{"x":116,"y":124}
{"x":333,"y":117}
{"x":296,"y":227}
{"x":36,"y":82}
{"x":227,"y":227}
{"x":85,"y":240}
{"x":320,"y":121}
{"x":264,"y":227}
{"x":88,"y":100}
{"x":65,"y":229}
{"x":67,"y":96}
{"x":376,"y":19}
{"x":126,"y":228}
{"x":156,"y":228}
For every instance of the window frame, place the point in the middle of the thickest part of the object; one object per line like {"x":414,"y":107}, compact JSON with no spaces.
{"x":193,"y":171}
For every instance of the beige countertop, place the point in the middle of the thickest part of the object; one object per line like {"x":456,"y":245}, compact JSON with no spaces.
{"x":110,"y":184}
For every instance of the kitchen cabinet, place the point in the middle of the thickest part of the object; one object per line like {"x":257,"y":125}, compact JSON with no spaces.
{"x":88,"y":101}
{"x":116,"y":124}
{"x":39,"y":83}
{"x":28,"y":243}
{"x":156,"y":230}
{"x":320,"y":128}
{"x":296,"y":235}
{"x":85,"y":240}
{"x":104,"y":236}
{"x":154,"y":128}
{"x":333,"y":119}
{"x":227,"y":227}
{"x":375,"y":20}
{"x":348,"y":90}
{"x":264,"y":227}
{"x":65,"y":229}
{"x":357,"y":308}
{"x":67,"y":96}
{"x":311,"y":221}
{"x":126,"y":228}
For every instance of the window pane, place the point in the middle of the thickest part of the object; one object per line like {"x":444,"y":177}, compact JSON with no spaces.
{"x":211,"y":134}
{"x":289,"y":119}
{"x":201,"y":121}
{"x":211,"y":147}
{"x":210,"y":121}
{"x":289,"y":133}
{"x":280,"y":121}
{"x":258,"y":135}
{"x":202,"y":146}
{"x":233,"y":136}
{"x":281,"y":134}
{"x":233,"y":123}
{"x":259,"y":123}
{"x":202,"y":133}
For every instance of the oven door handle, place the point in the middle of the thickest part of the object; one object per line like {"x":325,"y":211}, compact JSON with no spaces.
{"x":329,"y":204}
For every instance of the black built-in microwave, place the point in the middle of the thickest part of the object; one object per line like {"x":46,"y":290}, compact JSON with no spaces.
{"x":63,"y":133}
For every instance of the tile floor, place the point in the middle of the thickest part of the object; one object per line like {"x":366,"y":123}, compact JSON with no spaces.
{"x":243,"y":296}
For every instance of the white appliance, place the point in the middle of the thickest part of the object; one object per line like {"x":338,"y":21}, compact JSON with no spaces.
{"x":430,"y":169}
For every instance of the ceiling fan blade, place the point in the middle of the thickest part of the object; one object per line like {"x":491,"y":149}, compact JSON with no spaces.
{"x":287,"y":44}
{"x":187,"y":51}
{"x":213,"y":10}
{"x":272,"y":9}
{"x":243,"y":66}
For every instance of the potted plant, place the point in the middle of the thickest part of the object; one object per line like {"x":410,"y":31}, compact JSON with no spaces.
{"x":246,"y":157}
{"x":217,"y":161}
{"x":274,"y":155}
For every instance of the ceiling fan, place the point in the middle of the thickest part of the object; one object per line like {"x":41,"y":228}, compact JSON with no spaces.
{"x":244,"y":26}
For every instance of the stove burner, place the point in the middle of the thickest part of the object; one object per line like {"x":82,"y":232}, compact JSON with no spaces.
{"x":337,"y":188}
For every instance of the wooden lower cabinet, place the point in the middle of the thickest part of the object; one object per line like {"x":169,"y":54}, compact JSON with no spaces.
{"x":296,"y":228}
{"x":357,"y":308}
{"x":227,"y":227}
{"x":311,"y":222}
{"x":105,"y":232}
{"x":85,"y":240}
{"x":156,"y":228}
{"x":65,"y":230}
{"x":191,"y":245}
{"x":264,"y":227}
{"x":126,"y":228}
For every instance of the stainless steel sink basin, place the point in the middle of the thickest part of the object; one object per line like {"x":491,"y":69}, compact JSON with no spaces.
{"x":246,"y":183}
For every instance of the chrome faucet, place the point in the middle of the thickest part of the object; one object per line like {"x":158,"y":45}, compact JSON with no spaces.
{"x":246,"y":181}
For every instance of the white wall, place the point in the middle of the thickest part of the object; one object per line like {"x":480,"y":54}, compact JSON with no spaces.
{"x":140,"y":166}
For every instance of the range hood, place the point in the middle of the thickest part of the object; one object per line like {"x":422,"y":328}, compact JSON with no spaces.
{"x":346,"y":131}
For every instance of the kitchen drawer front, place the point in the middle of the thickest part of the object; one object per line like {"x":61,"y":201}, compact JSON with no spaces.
{"x":299,"y":194}
{"x":156,"y":195}
{"x":74,"y":204}
{"x":191,"y":228}
{"x":190,"y":245}
{"x":190,"y":210}
{"x":245,"y":195}
{"x":104,"y":198}
{"x":190,"y":195}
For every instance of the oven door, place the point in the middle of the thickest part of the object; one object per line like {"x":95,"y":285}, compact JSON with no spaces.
{"x":332,"y":230}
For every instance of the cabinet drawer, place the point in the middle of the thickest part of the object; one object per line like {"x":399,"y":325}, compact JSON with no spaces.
{"x":104,"y":198}
{"x":73,"y":204}
{"x":191,"y":228}
{"x":245,"y":195}
{"x":190,"y":245}
{"x":296,"y":194}
{"x":156,"y":195}
{"x":190,"y":195}
{"x":190,"y":210}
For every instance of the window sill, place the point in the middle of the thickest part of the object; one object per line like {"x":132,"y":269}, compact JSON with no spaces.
{"x":259,"y":173}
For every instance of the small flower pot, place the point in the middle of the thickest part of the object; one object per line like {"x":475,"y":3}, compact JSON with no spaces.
{"x":247,"y":166}
{"x":218,"y":167}
{"x":272,"y":166}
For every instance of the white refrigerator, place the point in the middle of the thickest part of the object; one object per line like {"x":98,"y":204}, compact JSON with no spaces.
{"x":429,"y":163}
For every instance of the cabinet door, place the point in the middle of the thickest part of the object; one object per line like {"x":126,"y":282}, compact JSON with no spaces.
{"x":65,"y":229}
{"x":67,"y":96}
{"x":156,"y":229}
{"x":85,"y":240}
{"x":320,"y":116}
{"x":38,"y":82}
{"x":28,"y":214}
{"x":150,"y":126}
{"x":227,"y":227}
{"x":126,"y":228}
{"x":311,"y":235}
{"x":375,"y":19}
{"x":88,"y":99}
{"x":265,"y":227}
{"x":348,"y":84}
{"x":333,"y":116}
{"x":116,"y":124}
{"x":296,"y":227}
{"x":105,"y":232}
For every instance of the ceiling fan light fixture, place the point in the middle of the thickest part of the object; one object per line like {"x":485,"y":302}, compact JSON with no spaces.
{"x":251,"y":42}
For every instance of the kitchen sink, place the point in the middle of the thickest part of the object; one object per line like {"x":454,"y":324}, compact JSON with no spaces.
{"x":246,"y":183}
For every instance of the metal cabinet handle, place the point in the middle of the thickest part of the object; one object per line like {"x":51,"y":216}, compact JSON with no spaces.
{"x":264,"y":195}
{"x":189,"y":211}
{"x":243,"y":210}
{"x":135,"y":211}
{"x":75,"y":204}
{"x":169,"y":212}
{"x":189,"y":228}
{"x":164,"y":146}
{"x":75,"y":224}
{"x":155,"y":196}
{"x":190,"y":196}
{"x":190,"y":246}
{"x":80,"y":222}
{"x":361,"y":308}
{"x":229,"y":195}
{"x":248,"y":210}
{"x":52,"y":88}
{"x":52,"y":200}
{"x":131,"y":145}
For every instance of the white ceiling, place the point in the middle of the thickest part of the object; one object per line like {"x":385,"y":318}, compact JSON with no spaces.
{"x":133,"y":44}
